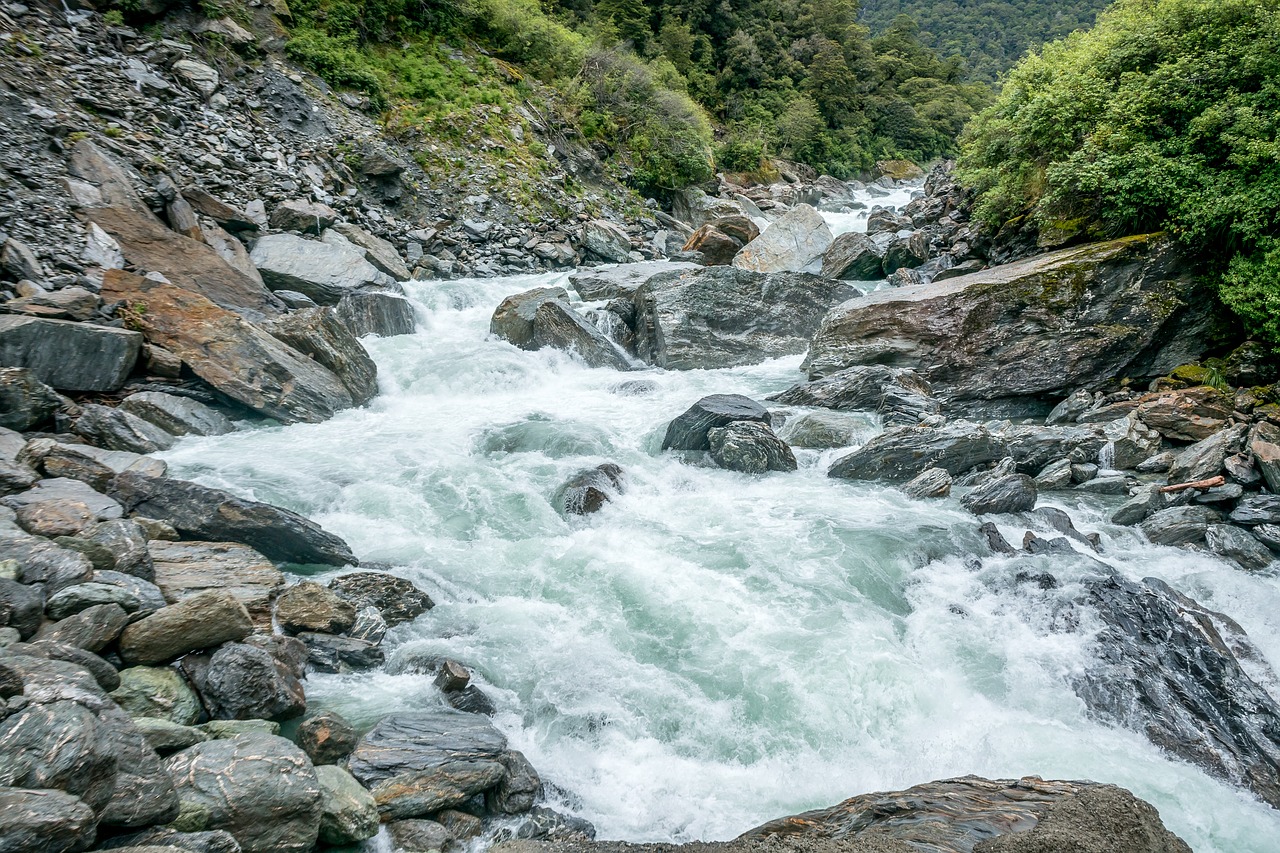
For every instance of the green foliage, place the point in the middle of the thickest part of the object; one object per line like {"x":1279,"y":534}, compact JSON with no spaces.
{"x":113,"y":18}
{"x":521,"y":32}
{"x":338,"y":60}
{"x":1164,"y":116}
{"x":1251,"y":288}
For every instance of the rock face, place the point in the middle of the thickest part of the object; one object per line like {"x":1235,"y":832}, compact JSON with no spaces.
{"x":790,"y":244}
{"x":750,"y":447}
{"x":897,"y":394}
{"x":322,"y":271}
{"x":725,"y":316}
{"x":216,"y":516}
{"x":1170,"y":669}
{"x":258,"y":787}
{"x":690,"y":430}
{"x":1019,"y":334}
{"x":234,"y":356}
{"x":1028,"y":815}
{"x":69,"y":356}
{"x":901,"y":453}
{"x":320,"y":334}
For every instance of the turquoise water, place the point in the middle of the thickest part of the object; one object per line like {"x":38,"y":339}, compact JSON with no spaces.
{"x":711,"y":650}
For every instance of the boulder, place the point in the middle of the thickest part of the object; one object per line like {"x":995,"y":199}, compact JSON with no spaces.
{"x":853,"y":257}
{"x":94,"y":466}
{"x":1012,"y":336}
{"x":397,"y":599}
{"x":92,"y":629}
{"x":790,"y":244}
{"x":21,"y":606}
{"x":750,"y":447}
{"x":322,"y":271}
{"x":376,"y":312}
{"x":716,"y":247}
{"x":1193,"y":414}
{"x":824,"y":430}
{"x":1256,"y":510}
{"x":377,"y":251}
{"x":1168,"y":668}
{"x":306,"y":217}
{"x":185,"y":569}
{"x":588,"y":491}
{"x":1032,"y":446}
{"x":44,"y":821}
{"x":557,"y":325}
{"x":25,"y":401}
{"x":326,"y":737}
{"x":308,"y":606}
{"x":71,"y":600}
{"x":217,"y":516}
{"x":1179,"y":525}
{"x":348,"y":814}
{"x":713,"y":317}
{"x":420,"y":836}
{"x":201,"y":621}
{"x":1129,"y":443}
{"x":125,"y":545}
{"x":258,"y":787}
{"x":40,"y":561}
{"x":369,"y":625}
{"x":693,"y":206}
{"x":417,"y":764}
{"x":602,"y":283}
{"x":118,"y":429}
{"x":1012,"y":493}
{"x":200,"y":78}
{"x":69,"y":303}
{"x":519,"y":788}
{"x":235,"y":357}
{"x":242,"y":682}
{"x":930,"y":483}
{"x":900,"y":454}
{"x":68,"y":356}
{"x":1206,"y":458}
{"x":177,"y":415}
{"x":330,"y":653}
{"x":690,"y":430}
{"x":1264,"y":444}
{"x":513,"y":319}
{"x":1240,"y":545}
{"x":899,"y":395}
{"x":230,"y":218}
{"x":318,"y":333}
{"x":606,"y":241}
{"x":158,"y":693}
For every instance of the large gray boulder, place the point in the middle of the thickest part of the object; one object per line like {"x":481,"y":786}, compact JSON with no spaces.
{"x":749,"y":447}
{"x":320,"y":334}
{"x":377,"y":251}
{"x":397,"y":599}
{"x":589,"y":490}
{"x":513,"y":319}
{"x":323,"y":271}
{"x":47,"y":821}
{"x":69,"y":356}
{"x":177,"y":415}
{"x":258,"y":787}
{"x":543,"y":318}
{"x":201,"y":621}
{"x":25,"y":401}
{"x":1012,"y":337}
{"x":242,"y":682}
{"x":900,"y":454}
{"x":606,"y":241}
{"x":302,"y":215}
{"x":790,"y":244}
{"x":376,"y":312}
{"x":1179,"y":525}
{"x":184,"y":569}
{"x":217,"y":516}
{"x":349,"y":814}
{"x":853,"y":257}
{"x":900,"y":395}
{"x":1012,"y":493}
{"x":714,"y":317}
{"x":119,"y":429}
{"x":690,"y":431}
{"x":623,"y":280}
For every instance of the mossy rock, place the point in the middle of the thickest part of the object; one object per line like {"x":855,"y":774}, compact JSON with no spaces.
{"x":899,"y":170}
{"x":1192,"y":374}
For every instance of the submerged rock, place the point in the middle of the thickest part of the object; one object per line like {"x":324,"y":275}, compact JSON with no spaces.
{"x":690,"y":430}
{"x":588,"y":491}
{"x":750,"y":447}
{"x":901,"y":453}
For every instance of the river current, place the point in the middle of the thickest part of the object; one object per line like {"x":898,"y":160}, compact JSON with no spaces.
{"x":711,"y":650}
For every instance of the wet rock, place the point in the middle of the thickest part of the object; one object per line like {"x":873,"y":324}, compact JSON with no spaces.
{"x":1147,"y":501}
{"x":558,"y":326}
{"x":225,"y":729}
{"x":901,"y":453}
{"x":214,"y":515}
{"x":471,"y":699}
{"x":606,"y":241}
{"x":177,"y":415}
{"x":1012,"y":493}
{"x":58,"y":745}
{"x":260,"y":788}
{"x":1108,"y":485}
{"x":1055,"y":476}
{"x":94,"y":466}
{"x":25,"y":401}
{"x":235,"y":357}
{"x":126,"y":544}
{"x":417,"y":764}
{"x":103,"y":673}
{"x":304,"y":216}
{"x":1264,"y":444}
{"x":201,"y":621}
{"x":1206,"y":458}
{"x":159,"y":693}
{"x":1170,"y":669}
{"x":186,"y":569}
{"x":143,"y":793}
{"x":513,"y":319}
{"x":1158,"y":464}
{"x":716,"y":247}
{"x":714,"y":317}
{"x":823,"y":430}
{"x":329,"y":653}
{"x":930,"y":483}
{"x":369,"y":626}
{"x":318,"y":333}
{"x":588,"y":491}
{"x":899,"y":395}
{"x":853,"y":257}
{"x":1257,"y":509}
{"x":349,"y":814}
{"x":397,"y":599}
{"x":690,"y":431}
{"x":21,"y":606}
{"x":40,"y":561}
{"x":308,"y":606}
{"x":1033,"y":446}
{"x":420,"y":836}
{"x":376,"y":312}
{"x":1075,"y":405}
{"x":45,"y":821}
{"x":117,"y":429}
{"x":950,"y":330}
{"x":172,"y":841}
{"x":167,"y":738}
{"x":326,"y":737}
{"x":604,"y":283}
{"x":69,"y":356}
{"x":790,"y":244}
{"x":1193,"y":414}
{"x":519,"y":788}
{"x":749,"y":447}
{"x":242,"y":682}
{"x":1179,"y":525}
{"x":71,"y":600}
{"x":1129,"y":443}
{"x":1240,"y":545}
{"x":1083,"y":472}
{"x":92,"y":629}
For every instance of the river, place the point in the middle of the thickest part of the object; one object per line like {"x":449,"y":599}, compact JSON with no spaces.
{"x":712,"y":649}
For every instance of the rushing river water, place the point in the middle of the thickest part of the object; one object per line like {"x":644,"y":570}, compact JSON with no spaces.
{"x":712,"y":649}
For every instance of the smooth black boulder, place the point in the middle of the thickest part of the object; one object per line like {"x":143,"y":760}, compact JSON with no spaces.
{"x":689,"y":430}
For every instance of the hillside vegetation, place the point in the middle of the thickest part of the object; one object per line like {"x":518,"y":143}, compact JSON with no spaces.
{"x":1166,"y":115}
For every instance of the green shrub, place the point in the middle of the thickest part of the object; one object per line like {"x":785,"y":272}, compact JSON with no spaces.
{"x":1251,"y":288}
{"x":337,"y":60}
{"x":521,"y":32}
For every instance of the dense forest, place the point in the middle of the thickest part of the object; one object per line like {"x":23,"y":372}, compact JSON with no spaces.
{"x":989,"y":35}
{"x":1166,"y":115}
{"x":797,"y":79}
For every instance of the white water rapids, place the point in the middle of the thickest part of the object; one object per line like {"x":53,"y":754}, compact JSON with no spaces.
{"x":712,"y":649}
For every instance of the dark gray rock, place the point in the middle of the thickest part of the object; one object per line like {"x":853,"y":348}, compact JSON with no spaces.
{"x":420,"y":836}
{"x":1179,"y":525}
{"x":200,"y":621}
{"x":899,"y":395}
{"x":42,"y":562}
{"x":125,"y":542}
{"x":715,"y":317}
{"x":1267,"y":534}
{"x":308,"y":606}
{"x":376,"y":312}
{"x":1257,"y":509}
{"x":853,"y":257}
{"x":103,"y":673}
{"x":242,"y":682}
{"x":258,"y":787}
{"x":1033,"y":446}
{"x":589,"y":490}
{"x":623,"y":280}
{"x":213,"y":515}
{"x":308,"y":217}
{"x":159,"y":693}
{"x":143,"y":793}
{"x":377,"y":251}
{"x":901,"y":453}
{"x":519,"y":788}
{"x":93,"y":466}
{"x":117,"y":429}
{"x":44,"y":821}
{"x":1012,"y":493}
{"x":1147,"y":501}
{"x":1115,"y":484}
{"x":825,"y":430}
{"x":92,"y":629}
{"x":1240,"y":545}
{"x":69,"y":356}
{"x":513,"y":319}
{"x":326,"y":737}
{"x":25,"y":401}
{"x":750,"y":447}
{"x":21,"y":606}
{"x":931,"y":483}
{"x":318,"y":333}
{"x":1206,"y":458}
{"x":163,"y":840}
{"x":558,"y":326}
{"x":690,"y":430}
{"x":71,"y":600}
{"x":330,"y":653}
{"x":177,"y":415}
{"x":397,"y":599}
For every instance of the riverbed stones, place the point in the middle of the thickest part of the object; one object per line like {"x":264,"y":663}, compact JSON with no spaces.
{"x":242,"y":682}
{"x":177,"y":415}
{"x":94,"y":466}
{"x":44,"y":820}
{"x":201,"y":621}
{"x":75,"y":599}
{"x":121,"y":430}
{"x":589,"y":490}
{"x":40,"y":561}
{"x":21,"y":606}
{"x":159,"y":693}
{"x":214,"y":515}
{"x":333,"y":653}
{"x":25,"y":401}
{"x":69,"y":356}
{"x":326,"y":737}
{"x":750,"y":447}
{"x":397,"y":599}
{"x":790,"y":244}
{"x":1179,"y":525}
{"x":258,"y":787}
{"x":185,"y":569}
{"x":419,"y":836}
{"x":690,"y":431}
{"x":901,"y":453}
{"x":714,"y":317}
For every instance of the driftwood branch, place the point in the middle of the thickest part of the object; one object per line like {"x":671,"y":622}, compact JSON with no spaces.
{"x":1210,"y":483}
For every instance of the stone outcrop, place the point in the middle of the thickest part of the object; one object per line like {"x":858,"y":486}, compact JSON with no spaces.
{"x":791,"y":243}
{"x":69,"y":356}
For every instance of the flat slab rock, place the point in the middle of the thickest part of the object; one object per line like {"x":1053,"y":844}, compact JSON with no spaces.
{"x":69,"y":356}
{"x":184,"y":569}
{"x":603,"y":283}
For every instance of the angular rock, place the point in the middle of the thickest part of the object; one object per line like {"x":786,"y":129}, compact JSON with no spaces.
{"x":690,"y":431}
{"x":376,"y":312}
{"x":118,"y":429}
{"x":931,"y":483}
{"x":349,"y":814}
{"x":607,"y":241}
{"x":304,"y":216}
{"x":1122,"y":308}
{"x":242,"y":682}
{"x":1206,"y":458}
{"x":239,"y":359}
{"x":94,"y":466}
{"x":603,"y":283}
{"x":177,"y":415}
{"x":1179,"y":525}
{"x":308,"y":606}
{"x":853,"y":257}
{"x":44,"y":821}
{"x":330,"y":653}
{"x":1147,"y":501}
{"x":557,"y":325}
{"x":1264,"y":444}
{"x":40,"y":561}
{"x":397,"y":599}
{"x":326,"y":738}
{"x":69,"y":356}
{"x":790,"y":244}
{"x":213,"y":515}
{"x":258,"y":787}
{"x":421,"y":836}
{"x":318,"y":333}
{"x":21,"y":606}
{"x":716,"y":247}
{"x":749,"y":447}
{"x":1240,"y":545}
{"x":71,"y":600}
{"x":513,"y":319}
{"x":369,"y":626}
{"x":714,"y":317}
{"x":220,"y":212}
{"x":159,"y":693}
{"x":324,"y":272}
{"x":519,"y":788}
{"x":377,"y":251}
{"x":1193,"y":414}
{"x":92,"y":629}
{"x":588,"y":491}
{"x":201,"y":621}
{"x":25,"y":401}
{"x":823,"y":430}
{"x":900,"y":395}
{"x":1013,"y":493}
{"x":1129,"y":443}
{"x":184,"y":569}
{"x":1257,"y":509}
{"x":901,"y":453}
